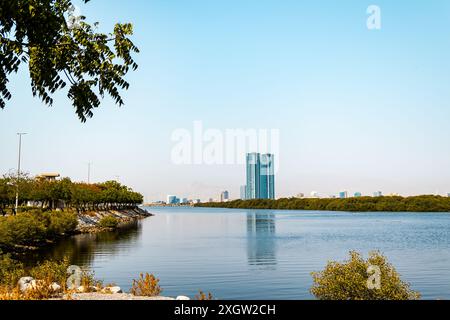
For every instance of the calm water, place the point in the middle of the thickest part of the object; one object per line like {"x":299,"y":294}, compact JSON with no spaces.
{"x":253,"y":254}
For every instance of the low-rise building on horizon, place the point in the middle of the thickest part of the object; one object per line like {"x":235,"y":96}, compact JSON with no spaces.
{"x":377,"y":194}
{"x":48,"y":176}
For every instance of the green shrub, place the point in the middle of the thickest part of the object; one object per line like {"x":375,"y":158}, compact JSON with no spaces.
{"x":61,"y":223}
{"x":10,"y":270}
{"x":109,"y":222}
{"x":34,"y":227}
{"x":349,"y":280}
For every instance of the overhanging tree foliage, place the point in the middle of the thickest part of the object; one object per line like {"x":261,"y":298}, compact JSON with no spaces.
{"x":61,"y":51}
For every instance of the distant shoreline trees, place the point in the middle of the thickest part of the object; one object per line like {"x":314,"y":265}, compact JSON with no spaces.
{"x":65,"y":194}
{"x":425,"y":203}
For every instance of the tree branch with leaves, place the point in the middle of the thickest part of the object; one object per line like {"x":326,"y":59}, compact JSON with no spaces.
{"x":39,"y":33}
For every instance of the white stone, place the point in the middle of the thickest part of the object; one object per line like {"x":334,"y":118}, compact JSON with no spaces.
{"x":25,"y":283}
{"x":55,"y":287}
{"x":114,"y":290}
{"x":183,"y":298}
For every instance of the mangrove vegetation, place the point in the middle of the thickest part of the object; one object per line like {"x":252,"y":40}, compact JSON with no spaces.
{"x":362,"y":204}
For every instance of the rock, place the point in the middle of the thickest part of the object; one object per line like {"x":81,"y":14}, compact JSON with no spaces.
{"x":81,"y":289}
{"x":183,"y":298}
{"x":25,"y":283}
{"x":55,"y":287}
{"x":115,"y":290}
{"x":112,"y":290}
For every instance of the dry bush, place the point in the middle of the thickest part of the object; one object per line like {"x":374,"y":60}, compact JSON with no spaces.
{"x":7,"y":294}
{"x":89,"y":282}
{"x":146,"y":286}
{"x":42,"y":291}
{"x":203,"y":296}
{"x":51,"y":271}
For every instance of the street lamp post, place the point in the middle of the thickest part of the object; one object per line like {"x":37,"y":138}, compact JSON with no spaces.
{"x":89,"y":172}
{"x":20,"y":134}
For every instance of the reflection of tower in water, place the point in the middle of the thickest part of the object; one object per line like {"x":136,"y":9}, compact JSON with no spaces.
{"x":261,"y":246}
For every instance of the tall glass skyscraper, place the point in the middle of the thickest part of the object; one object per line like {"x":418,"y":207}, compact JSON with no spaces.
{"x":260,"y":176}
{"x":253,"y":175}
{"x":267,"y":177}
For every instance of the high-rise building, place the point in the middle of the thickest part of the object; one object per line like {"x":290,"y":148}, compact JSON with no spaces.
{"x":358,"y":194}
{"x":243,"y":192}
{"x":343,"y":194}
{"x":267,"y":177}
{"x":224,"y":196}
{"x":260,"y":176}
{"x":172,"y":200}
{"x":253,"y":175}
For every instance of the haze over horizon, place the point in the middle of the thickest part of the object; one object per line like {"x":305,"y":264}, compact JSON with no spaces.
{"x":357,"y":109}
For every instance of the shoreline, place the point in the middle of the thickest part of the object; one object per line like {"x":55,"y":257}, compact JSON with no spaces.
{"x":89,"y":222}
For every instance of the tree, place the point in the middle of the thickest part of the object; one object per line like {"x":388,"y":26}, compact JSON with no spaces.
{"x":59,"y":51}
{"x":350,"y":280}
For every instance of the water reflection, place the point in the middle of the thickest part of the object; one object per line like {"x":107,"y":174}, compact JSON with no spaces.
{"x":82,"y":249}
{"x":261,"y":242}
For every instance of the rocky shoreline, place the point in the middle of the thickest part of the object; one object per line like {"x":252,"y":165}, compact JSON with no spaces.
{"x":82,"y":293}
{"x":89,"y":222}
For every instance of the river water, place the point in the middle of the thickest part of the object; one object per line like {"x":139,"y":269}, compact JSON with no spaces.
{"x":261,"y":254}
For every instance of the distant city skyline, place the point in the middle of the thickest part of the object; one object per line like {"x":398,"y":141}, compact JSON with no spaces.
{"x":358,"y":110}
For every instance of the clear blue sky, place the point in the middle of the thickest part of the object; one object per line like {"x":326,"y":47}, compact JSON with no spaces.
{"x":357,"y":110}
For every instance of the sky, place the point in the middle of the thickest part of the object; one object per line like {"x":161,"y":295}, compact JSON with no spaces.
{"x":356,"y":109}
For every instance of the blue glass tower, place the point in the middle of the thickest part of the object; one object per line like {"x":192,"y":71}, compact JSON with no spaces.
{"x":253,"y":175}
{"x":267,"y":177}
{"x":260,"y":176}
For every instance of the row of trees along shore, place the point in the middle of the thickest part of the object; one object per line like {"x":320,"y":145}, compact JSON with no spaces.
{"x":426,"y":203}
{"x":65,"y":194}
